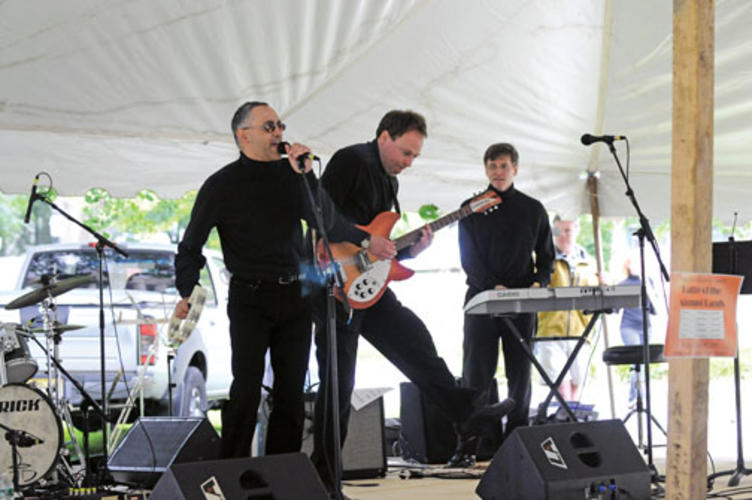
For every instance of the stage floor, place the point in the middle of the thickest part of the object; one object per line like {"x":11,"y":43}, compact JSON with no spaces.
{"x":392,"y":487}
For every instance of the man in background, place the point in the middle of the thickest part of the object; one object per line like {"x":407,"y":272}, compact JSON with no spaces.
{"x":572,"y":267}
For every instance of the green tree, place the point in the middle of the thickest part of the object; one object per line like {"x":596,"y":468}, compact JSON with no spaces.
{"x":134,"y":218}
{"x":15,"y":236}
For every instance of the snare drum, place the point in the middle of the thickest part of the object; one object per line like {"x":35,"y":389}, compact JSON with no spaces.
{"x":19,"y":365}
{"x":27,"y":409}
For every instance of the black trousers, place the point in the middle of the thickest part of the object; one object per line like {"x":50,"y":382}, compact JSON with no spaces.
{"x":274,"y":317}
{"x":405,"y":341}
{"x":481,"y":357}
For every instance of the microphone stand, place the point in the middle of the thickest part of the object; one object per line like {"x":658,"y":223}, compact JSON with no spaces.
{"x":740,"y":471}
{"x":102,"y":242}
{"x":13,"y":436}
{"x":334,"y":284}
{"x":88,"y":402}
{"x":642,"y":234}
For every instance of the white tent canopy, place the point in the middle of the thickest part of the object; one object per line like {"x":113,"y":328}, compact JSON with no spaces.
{"x":139,"y":94}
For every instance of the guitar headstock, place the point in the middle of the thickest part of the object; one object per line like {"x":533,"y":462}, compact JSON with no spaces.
{"x":485,"y":201}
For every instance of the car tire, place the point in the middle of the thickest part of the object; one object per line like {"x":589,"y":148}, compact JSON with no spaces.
{"x":190,"y":400}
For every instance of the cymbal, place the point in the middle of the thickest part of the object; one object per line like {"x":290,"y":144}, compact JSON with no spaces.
{"x":57,"y":328}
{"x":51,"y":289}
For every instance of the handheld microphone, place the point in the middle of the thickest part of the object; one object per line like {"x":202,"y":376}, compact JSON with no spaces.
{"x":282,"y":149}
{"x":32,"y":199}
{"x":588,"y":139}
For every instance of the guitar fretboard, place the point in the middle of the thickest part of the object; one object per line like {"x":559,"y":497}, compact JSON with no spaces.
{"x":412,"y":237}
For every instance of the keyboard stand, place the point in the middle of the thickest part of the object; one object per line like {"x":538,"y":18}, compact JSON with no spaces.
{"x":553,"y":386}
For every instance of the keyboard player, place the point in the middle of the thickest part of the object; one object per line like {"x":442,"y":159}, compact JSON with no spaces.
{"x":511,"y":247}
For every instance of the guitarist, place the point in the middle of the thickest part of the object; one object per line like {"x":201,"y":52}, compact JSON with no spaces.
{"x":362,"y":182}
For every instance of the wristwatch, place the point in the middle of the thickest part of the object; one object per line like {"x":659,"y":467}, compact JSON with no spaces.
{"x":366,"y":243}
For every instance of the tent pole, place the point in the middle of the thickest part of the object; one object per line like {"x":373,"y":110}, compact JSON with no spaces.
{"x":691,"y":233}
{"x":595,"y":211}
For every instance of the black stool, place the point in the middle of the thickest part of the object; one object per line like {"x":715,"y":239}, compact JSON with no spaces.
{"x":633,"y":355}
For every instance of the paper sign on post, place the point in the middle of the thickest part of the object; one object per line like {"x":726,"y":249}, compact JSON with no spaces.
{"x":702,"y":315}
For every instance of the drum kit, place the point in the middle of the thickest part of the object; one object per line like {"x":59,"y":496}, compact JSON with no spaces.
{"x":31,"y":418}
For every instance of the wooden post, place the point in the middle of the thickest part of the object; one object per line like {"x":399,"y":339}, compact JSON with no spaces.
{"x":595,"y":212}
{"x":691,"y":211}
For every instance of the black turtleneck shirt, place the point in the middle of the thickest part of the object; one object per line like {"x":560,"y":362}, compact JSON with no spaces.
{"x":510,"y":246}
{"x":359,"y":186}
{"x":358,"y":183}
{"x":256,"y":207}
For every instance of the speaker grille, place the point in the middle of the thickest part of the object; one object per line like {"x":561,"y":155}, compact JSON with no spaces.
{"x":364,"y":452}
{"x":152,"y":444}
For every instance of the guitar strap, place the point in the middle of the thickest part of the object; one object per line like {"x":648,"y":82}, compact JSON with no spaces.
{"x":391,"y":180}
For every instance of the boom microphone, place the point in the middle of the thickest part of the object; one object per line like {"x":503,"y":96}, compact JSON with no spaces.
{"x":32,"y":199}
{"x":25,"y":440}
{"x":588,"y":139}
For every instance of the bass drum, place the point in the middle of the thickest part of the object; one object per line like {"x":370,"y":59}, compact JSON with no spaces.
{"x":27,"y":409}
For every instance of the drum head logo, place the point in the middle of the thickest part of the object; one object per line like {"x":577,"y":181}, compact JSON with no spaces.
{"x":552,"y":453}
{"x":211,"y":489}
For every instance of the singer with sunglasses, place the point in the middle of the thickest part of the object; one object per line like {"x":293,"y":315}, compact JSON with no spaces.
{"x":256,"y":204}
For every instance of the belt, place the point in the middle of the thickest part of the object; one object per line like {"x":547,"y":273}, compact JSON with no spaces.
{"x":279,"y":280}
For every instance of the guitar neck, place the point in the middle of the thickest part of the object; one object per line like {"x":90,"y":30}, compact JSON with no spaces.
{"x":409,"y":239}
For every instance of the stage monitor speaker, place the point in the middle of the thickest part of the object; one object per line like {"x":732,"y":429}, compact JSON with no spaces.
{"x":364,"y":452}
{"x":565,"y":461}
{"x":289,"y":476}
{"x":428,"y":437}
{"x":153,"y":444}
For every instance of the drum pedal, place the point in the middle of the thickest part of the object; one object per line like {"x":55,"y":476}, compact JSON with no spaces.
{"x":91,"y":493}
{"x":87,"y":492}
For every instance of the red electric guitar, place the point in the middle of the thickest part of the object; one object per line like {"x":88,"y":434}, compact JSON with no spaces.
{"x":365,"y":278}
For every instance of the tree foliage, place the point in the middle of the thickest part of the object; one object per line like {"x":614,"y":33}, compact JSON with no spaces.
{"x":141,"y":216}
{"x":15,"y":236}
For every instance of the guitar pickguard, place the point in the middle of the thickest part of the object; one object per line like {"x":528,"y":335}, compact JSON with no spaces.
{"x":370,"y":283}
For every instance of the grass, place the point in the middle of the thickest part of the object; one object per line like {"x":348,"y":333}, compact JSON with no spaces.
{"x":95,"y":437}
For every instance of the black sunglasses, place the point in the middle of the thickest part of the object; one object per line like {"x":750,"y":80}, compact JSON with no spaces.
{"x":269,"y":126}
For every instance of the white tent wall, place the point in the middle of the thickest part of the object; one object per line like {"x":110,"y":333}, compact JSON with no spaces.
{"x":139,"y":94}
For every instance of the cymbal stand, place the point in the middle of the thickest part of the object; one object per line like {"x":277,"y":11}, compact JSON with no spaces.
{"x":54,"y":381}
{"x":88,"y":402}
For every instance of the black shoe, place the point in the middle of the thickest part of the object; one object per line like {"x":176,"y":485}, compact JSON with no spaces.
{"x":484,"y":417}
{"x":461,"y":461}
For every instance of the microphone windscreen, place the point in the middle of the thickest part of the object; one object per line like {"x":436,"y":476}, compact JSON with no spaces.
{"x":587,"y":139}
